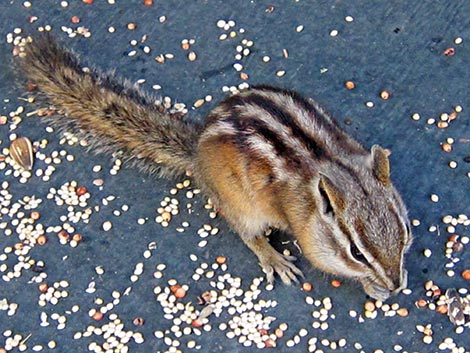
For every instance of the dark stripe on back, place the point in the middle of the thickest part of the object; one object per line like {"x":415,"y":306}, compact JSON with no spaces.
{"x":321,"y":118}
{"x":286,"y":119}
{"x":234,"y":105}
{"x":252,"y":126}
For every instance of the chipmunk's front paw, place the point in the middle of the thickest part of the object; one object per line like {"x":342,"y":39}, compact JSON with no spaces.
{"x":283,"y":266}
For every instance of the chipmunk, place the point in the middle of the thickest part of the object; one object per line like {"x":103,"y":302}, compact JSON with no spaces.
{"x":267,"y":157}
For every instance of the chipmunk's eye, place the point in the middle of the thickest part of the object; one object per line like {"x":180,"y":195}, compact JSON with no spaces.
{"x":358,"y":255}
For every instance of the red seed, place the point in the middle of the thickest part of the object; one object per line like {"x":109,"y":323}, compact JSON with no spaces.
{"x":307,"y":286}
{"x":449,"y":51}
{"x":77,"y":237}
{"x":42,"y":239}
{"x":148,"y":2}
{"x":98,"y":316}
{"x":349,"y":85}
{"x":442,"y":309}
{"x":89,"y":2}
{"x":43,"y":287}
{"x":402,"y":312}
{"x":35,"y":215}
{"x":385,"y":95}
{"x":197,"y":323}
{"x":221,"y":260}
{"x":466,"y":274}
{"x":336,"y":283}
{"x":421,"y":303}
{"x":138,"y":321}
{"x":31,"y":86}
{"x":369,"y":306}
{"x":269,"y":343}
{"x":63,"y":235}
{"x":174,"y":288}
{"x":180,"y":293}
{"x":75,"y":19}
{"x":81,"y":190}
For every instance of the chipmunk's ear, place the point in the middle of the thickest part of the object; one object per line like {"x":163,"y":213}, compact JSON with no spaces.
{"x":381,"y":164}
{"x":331,"y":197}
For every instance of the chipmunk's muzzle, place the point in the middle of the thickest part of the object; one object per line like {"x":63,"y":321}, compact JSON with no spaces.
{"x":382,"y":292}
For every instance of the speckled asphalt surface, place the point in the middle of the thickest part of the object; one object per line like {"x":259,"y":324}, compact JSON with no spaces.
{"x":386,"y":46}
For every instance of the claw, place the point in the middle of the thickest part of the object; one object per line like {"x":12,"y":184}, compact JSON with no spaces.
{"x":269,"y":273}
{"x":283,"y":266}
{"x":290,"y":258}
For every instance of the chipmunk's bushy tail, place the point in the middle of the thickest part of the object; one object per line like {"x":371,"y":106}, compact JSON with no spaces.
{"x":109,"y":113}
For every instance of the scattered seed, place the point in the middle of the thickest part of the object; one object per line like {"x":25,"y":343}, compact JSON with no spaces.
{"x":402,"y":312}
{"x":449,"y":51}
{"x":369,"y":306}
{"x":138,"y":321}
{"x":466,"y":274}
{"x":385,"y":95}
{"x":42,"y":239}
{"x":221,"y":260}
{"x":334,"y":33}
{"x":446,"y":147}
{"x":427,"y":339}
{"x":336,"y":283}
{"x":192,"y":56}
{"x":21,"y":150}
{"x":98,"y":316}
{"x":349,"y":85}
{"x":107,"y":226}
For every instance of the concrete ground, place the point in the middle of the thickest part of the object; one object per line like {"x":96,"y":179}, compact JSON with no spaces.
{"x":117,"y":290}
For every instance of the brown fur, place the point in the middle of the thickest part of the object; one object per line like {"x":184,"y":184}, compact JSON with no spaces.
{"x":268,"y":157}
{"x":110,"y":114}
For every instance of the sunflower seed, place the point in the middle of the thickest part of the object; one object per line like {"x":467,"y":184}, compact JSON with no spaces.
{"x":21,"y":150}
